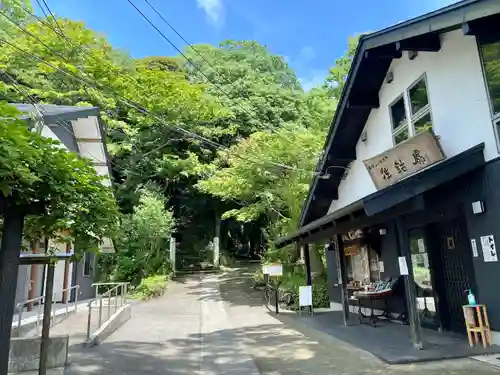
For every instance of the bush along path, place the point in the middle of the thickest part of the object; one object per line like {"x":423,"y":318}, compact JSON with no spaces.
{"x":150,"y":287}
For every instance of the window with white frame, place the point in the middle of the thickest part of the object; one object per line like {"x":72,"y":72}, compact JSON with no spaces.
{"x":411,"y":112}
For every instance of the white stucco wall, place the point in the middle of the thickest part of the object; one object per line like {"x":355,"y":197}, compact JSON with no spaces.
{"x":459,"y":102}
{"x":86,"y":127}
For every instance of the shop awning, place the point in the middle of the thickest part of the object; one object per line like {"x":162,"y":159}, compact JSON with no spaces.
{"x":390,"y":202}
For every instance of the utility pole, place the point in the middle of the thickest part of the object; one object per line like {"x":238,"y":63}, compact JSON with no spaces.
{"x":10,"y":251}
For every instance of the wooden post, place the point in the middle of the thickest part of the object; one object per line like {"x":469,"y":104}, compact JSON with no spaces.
{"x":409,"y":283}
{"x":343,"y":277}
{"x":47,"y":306}
{"x":35,"y":247}
{"x":13,"y":222}
{"x":66,"y":275}
{"x":307,"y":261}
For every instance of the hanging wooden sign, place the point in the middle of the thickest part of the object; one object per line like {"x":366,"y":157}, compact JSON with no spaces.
{"x":404,"y":159}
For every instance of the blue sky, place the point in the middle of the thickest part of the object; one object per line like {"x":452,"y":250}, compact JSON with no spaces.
{"x":310,"y":34}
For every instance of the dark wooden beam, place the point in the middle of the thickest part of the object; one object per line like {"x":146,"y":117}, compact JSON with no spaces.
{"x":343,"y":277}
{"x":384,"y":52}
{"x":409,"y":284}
{"x":365,"y":102}
{"x":486,"y":29}
{"x":425,"y":43}
{"x":342,"y":160}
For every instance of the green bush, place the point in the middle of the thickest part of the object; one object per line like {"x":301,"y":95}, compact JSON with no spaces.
{"x":150,"y":287}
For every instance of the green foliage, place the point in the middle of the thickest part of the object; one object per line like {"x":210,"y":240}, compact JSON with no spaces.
{"x":250,"y":92}
{"x":37,"y":171}
{"x":150,"y":287}
{"x":339,"y":71}
{"x":143,"y":243}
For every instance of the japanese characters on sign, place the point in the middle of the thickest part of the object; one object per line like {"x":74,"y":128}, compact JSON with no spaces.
{"x":405,"y":159}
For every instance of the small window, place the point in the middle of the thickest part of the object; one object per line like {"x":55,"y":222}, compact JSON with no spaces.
{"x":414,"y":103}
{"x":399,"y":121}
{"x":423,"y":123}
{"x":398,"y":114}
{"x":491,"y":61}
{"x":88,"y":265}
{"x":418,"y":97}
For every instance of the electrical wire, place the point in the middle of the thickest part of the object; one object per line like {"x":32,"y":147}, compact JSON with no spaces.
{"x":189,"y":60}
{"x":61,"y":33}
{"x":137,"y":107}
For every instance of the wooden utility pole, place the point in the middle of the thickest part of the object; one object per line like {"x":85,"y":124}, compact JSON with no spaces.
{"x":13,"y":222}
{"x":47,"y":307}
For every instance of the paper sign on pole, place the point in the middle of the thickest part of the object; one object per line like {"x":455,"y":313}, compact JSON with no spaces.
{"x":473,"y":244}
{"x":489,"y":248}
{"x":305,"y":295}
{"x":275,"y":269}
{"x":403,"y":266}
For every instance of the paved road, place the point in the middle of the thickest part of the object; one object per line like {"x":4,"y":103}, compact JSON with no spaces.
{"x":170,"y":335}
{"x":217,"y":325}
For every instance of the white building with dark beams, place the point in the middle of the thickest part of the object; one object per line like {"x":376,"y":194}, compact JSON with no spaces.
{"x":79,"y":129}
{"x":417,"y":128}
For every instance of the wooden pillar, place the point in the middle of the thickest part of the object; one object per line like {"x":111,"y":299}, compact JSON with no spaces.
{"x":47,"y":308}
{"x":66,"y":275}
{"x":409,"y":283}
{"x":343,"y":277}
{"x":35,"y":248}
{"x":307,"y":261}
{"x":13,"y":222}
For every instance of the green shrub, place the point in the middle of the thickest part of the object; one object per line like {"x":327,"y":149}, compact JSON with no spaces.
{"x":150,"y":287}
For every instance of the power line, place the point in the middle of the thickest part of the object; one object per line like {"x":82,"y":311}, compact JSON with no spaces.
{"x":189,"y":60}
{"x":137,"y":107}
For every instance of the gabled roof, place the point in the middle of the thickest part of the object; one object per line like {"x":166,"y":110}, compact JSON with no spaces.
{"x":58,"y":118}
{"x":369,"y":68}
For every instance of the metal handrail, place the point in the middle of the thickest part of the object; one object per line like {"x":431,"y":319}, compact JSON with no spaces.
{"x":118,"y":292}
{"x":22,"y":305}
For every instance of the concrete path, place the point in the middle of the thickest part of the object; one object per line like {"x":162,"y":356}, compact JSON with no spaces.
{"x":184,"y":332}
{"x":217,"y":325}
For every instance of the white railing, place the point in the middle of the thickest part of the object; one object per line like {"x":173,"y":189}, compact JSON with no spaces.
{"x":40,"y":301}
{"x":106,"y":303}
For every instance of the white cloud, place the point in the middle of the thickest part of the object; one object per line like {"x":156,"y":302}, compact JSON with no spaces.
{"x":313,"y":79}
{"x":214,"y":10}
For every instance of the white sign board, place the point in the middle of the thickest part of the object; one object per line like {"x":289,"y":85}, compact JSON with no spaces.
{"x":473,"y":244}
{"x":275,"y":270}
{"x":489,"y":248}
{"x":305,"y":295}
{"x":403,"y":266}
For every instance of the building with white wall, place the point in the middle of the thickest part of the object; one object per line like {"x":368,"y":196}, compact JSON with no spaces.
{"x":411,"y":169}
{"x":79,"y":130}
